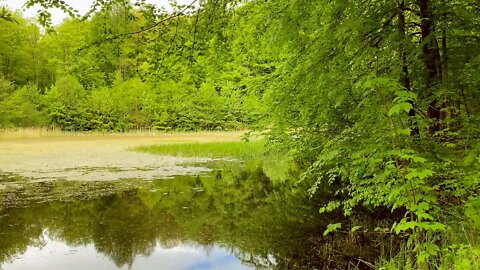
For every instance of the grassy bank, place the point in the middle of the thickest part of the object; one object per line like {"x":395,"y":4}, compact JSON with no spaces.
{"x":244,"y":150}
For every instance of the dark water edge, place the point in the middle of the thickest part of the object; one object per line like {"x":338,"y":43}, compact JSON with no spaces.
{"x":235,"y":217}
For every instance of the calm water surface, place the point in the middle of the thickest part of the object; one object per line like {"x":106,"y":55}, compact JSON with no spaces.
{"x":230,"y":218}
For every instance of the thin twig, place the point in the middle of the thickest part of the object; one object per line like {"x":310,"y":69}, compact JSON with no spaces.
{"x":123,"y":35}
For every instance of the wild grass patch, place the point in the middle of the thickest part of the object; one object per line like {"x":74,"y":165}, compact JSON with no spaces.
{"x":243,"y":150}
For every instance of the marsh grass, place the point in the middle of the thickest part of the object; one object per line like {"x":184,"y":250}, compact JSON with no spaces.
{"x":42,"y":132}
{"x":243,"y":150}
{"x":17,"y":133}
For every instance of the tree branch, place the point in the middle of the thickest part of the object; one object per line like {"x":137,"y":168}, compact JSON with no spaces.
{"x":153,"y":26}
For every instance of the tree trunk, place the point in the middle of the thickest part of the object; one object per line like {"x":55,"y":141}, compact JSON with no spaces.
{"x":405,"y":76}
{"x":431,"y":53}
{"x":431,"y":61}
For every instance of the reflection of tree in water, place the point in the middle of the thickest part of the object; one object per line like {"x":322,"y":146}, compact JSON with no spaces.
{"x":239,"y":210}
{"x":19,"y":229}
{"x":124,"y":230}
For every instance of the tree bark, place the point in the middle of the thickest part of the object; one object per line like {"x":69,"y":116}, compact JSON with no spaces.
{"x":405,"y":76}
{"x":431,"y":53}
{"x":431,"y":61}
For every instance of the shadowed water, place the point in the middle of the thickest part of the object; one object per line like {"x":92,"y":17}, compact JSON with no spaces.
{"x":234,"y":218}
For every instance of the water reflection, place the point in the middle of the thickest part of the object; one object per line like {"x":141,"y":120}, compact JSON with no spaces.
{"x":235,"y":218}
{"x":59,"y":255}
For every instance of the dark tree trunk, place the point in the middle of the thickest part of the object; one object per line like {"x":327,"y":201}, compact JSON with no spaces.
{"x":431,"y":53}
{"x":431,"y":61}
{"x":444,"y":56}
{"x":405,"y":76}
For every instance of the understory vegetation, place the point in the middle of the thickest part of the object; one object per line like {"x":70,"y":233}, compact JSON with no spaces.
{"x":376,"y":102}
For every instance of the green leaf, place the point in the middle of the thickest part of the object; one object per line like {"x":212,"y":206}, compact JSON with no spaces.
{"x":405,"y":132}
{"x":404,"y":96}
{"x":422,"y":257}
{"x":332,"y":228}
{"x":356,"y":228}
{"x":432,"y":249}
{"x":397,"y":108}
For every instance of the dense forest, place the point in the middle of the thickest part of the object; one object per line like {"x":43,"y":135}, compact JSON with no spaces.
{"x":115,"y":72}
{"x":377,"y":102}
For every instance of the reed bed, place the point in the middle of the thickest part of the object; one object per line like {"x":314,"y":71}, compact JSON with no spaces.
{"x":18,"y":133}
{"x":40,"y":132}
{"x":238,"y":149}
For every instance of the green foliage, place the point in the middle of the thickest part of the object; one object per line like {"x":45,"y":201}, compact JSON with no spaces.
{"x":356,"y":102}
{"x":244,"y":150}
{"x":20,"y":107}
{"x":332,"y":228}
{"x":118,"y":107}
{"x":461,"y":257}
{"x":95,"y":75}
{"x":376,"y":101}
{"x":63,"y":103}
{"x":472,"y":211}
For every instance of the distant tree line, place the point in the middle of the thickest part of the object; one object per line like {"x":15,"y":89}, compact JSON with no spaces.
{"x":115,"y":72}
